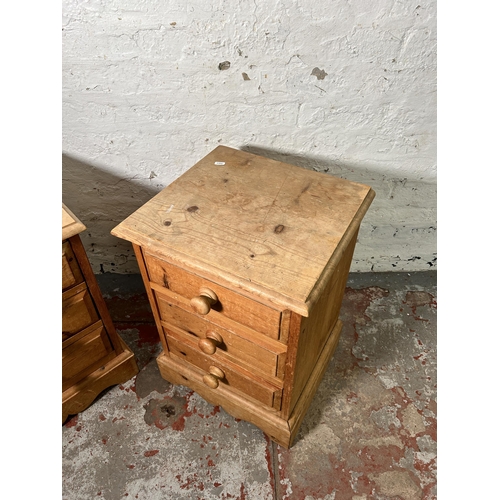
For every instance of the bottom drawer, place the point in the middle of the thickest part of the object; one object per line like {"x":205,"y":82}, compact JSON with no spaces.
{"x":83,"y":353}
{"x":224,"y":373}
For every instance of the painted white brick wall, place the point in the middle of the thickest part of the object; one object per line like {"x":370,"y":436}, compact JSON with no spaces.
{"x":345,"y":87}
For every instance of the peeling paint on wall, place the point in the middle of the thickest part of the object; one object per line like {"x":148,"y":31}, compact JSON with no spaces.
{"x":319,"y":73}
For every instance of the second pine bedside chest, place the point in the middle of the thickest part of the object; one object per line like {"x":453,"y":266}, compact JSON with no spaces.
{"x":94,"y":357}
{"x":245,"y":261}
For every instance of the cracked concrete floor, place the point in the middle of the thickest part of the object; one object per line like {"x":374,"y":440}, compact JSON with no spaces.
{"x":370,"y":432}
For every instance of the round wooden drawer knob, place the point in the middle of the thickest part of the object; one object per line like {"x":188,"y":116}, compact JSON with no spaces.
{"x":204,"y":301}
{"x":211,"y":379}
{"x":210,"y":344}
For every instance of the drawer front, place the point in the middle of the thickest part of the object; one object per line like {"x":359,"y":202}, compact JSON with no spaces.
{"x":78,"y":310}
{"x":83,"y":353}
{"x":233,"y":376}
{"x":211,"y":339}
{"x":71,"y":274}
{"x":237,"y":307}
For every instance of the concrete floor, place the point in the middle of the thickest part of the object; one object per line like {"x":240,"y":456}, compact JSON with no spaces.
{"x":370,"y":432}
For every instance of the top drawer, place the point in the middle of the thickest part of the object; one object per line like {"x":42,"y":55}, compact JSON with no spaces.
{"x":71,"y":274}
{"x":237,"y":307}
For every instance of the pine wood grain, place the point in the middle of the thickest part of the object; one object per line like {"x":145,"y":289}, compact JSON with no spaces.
{"x":71,"y":225}
{"x":245,"y":260}
{"x":71,"y":274}
{"x":78,"y":311}
{"x":81,"y":394}
{"x":249,"y":312}
{"x":83,"y":353}
{"x":266,"y":227}
{"x":235,"y":376}
{"x":95,"y":291}
{"x":314,"y":330}
{"x":215,"y":319}
{"x":174,"y":309}
{"x":93,"y":355}
{"x":304,"y":401}
{"x":265,"y":365}
{"x":151,"y":297}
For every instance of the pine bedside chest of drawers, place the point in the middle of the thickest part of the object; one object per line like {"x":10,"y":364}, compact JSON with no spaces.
{"x":245,"y":262}
{"x":94,"y":357}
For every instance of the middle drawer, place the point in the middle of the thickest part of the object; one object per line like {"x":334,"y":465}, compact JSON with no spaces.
{"x":242,"y":345}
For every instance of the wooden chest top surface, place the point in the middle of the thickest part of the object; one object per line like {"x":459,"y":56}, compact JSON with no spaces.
{"x":260,"y":224}
{"x":71,"y":225}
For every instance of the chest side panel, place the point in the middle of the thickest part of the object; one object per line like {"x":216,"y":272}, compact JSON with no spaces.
{"x":315,"y":330}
